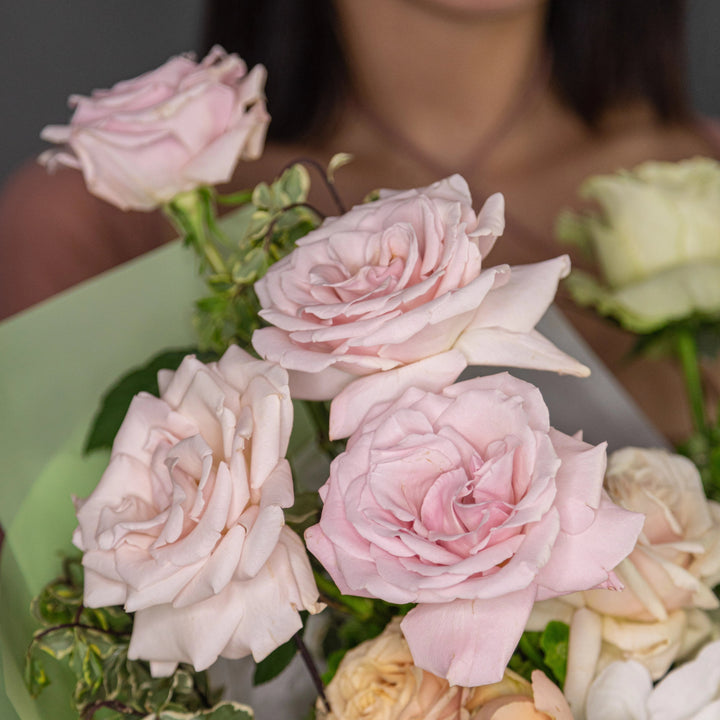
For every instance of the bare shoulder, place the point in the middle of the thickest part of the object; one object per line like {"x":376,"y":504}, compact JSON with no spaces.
{"x":54,"y":234}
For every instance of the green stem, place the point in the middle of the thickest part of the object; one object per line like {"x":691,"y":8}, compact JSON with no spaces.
{"x":527,"y":649}
{"x":687,"y":352}
{"x":188,"y":213}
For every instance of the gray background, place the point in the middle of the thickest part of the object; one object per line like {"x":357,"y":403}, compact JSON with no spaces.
{"x":51,"y":48}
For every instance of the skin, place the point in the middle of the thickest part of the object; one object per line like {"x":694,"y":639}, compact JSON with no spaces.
{"x":442,"y":74}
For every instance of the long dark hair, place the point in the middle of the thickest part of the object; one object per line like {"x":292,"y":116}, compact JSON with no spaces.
{"x":604,"y":52}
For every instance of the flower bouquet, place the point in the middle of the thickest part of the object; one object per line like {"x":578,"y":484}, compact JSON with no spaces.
{"x":466,"y":559}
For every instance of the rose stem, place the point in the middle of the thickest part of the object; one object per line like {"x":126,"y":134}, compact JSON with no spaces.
{"x":312,"y":669}
{"x":687,"y":353}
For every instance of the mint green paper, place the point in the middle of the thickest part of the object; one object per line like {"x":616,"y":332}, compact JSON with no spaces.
{"x":56,"y":360}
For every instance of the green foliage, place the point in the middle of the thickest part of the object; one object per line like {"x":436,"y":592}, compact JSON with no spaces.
{"x":275,"y":662}
{"x":93,"y":644}
{"x":234,"y":256}
{"x":554,"y":641}
{"x":546,"y":651}
{"x":115,"y":402}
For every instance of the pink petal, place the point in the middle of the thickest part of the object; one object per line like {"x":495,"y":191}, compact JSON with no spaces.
{"x":585,"y":560}
{"x":519,"y":304}
{"x":469,"y":642}
{"x":350,"y":406}
{"x":499,"y":347}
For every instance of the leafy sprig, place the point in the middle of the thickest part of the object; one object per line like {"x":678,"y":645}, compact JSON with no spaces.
{"x":92,"y":643}
{"x":235,"y":255}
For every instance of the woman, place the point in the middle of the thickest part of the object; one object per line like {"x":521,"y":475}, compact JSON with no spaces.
{"x":527,"y":97}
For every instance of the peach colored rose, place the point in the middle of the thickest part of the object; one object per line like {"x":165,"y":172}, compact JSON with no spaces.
{"x":661,"y":615}
{"x":168,"y":131}
{"x":186,"y":527}
{"x":468,"y":503}
{"x":393,"y":294}
{"x":378,"y":680}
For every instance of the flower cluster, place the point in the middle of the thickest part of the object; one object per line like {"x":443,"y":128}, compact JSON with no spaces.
{"x":457,"y":498}
{"x":661,"y":615}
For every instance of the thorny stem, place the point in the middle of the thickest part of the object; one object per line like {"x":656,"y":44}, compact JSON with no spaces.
{"x":328,"y":183}
{"x":312,"y":669}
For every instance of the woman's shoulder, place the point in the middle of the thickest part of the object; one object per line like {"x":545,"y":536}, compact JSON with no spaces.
{"x":54,"y":234}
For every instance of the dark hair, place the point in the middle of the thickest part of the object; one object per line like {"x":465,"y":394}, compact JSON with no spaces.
{"x":604,"y":52}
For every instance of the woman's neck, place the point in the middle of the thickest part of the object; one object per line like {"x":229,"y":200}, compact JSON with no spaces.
{"x":399,"y":52}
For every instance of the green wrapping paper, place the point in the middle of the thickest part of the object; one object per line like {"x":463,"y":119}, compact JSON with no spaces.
{"x":56,"y":361}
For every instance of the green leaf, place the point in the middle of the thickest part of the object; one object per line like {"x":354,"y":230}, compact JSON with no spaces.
{"x":115,"y":402}
{"x":92,"y":669}
{"x":554,"y":643}
{"x":545,"y":651}
{"x":35,"y":677}
{"x":528,"y":656}
{"x":275,"y":662}
{"x":336,"y":162}
{"x":56,"y":643}
{"x":294,"y":184}
{"x":261,"y":196}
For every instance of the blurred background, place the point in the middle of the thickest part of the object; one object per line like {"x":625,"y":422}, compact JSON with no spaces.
{"x":52,"y":48}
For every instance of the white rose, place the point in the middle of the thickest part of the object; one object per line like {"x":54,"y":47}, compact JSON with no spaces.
{"x":657,"y":242}
{"x":624,"y":691}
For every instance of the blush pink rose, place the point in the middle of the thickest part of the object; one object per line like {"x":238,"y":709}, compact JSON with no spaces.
{"x":393,"y":295}
{"x":468,"y":503}
{"x":186,"y":527}
{"x":168,"y":131}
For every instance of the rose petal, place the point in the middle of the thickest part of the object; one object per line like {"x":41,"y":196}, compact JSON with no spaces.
{"x":443,"y":638}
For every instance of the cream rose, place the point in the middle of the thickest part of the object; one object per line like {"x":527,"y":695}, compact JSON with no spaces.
{"x":186,"y":527}
{"x":624,"y":691}
{"x":660,"y":616}
{"x":378,"y":680}
{"x":168,"y":131}
{"x":657,"y":241}
{"x":393,"y":294}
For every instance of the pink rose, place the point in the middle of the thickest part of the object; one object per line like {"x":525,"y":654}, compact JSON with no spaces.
{"x":168,"y":131}
{"x":186,"y":526}
{"x":393,"y":295}
{"x":468,"y":503}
